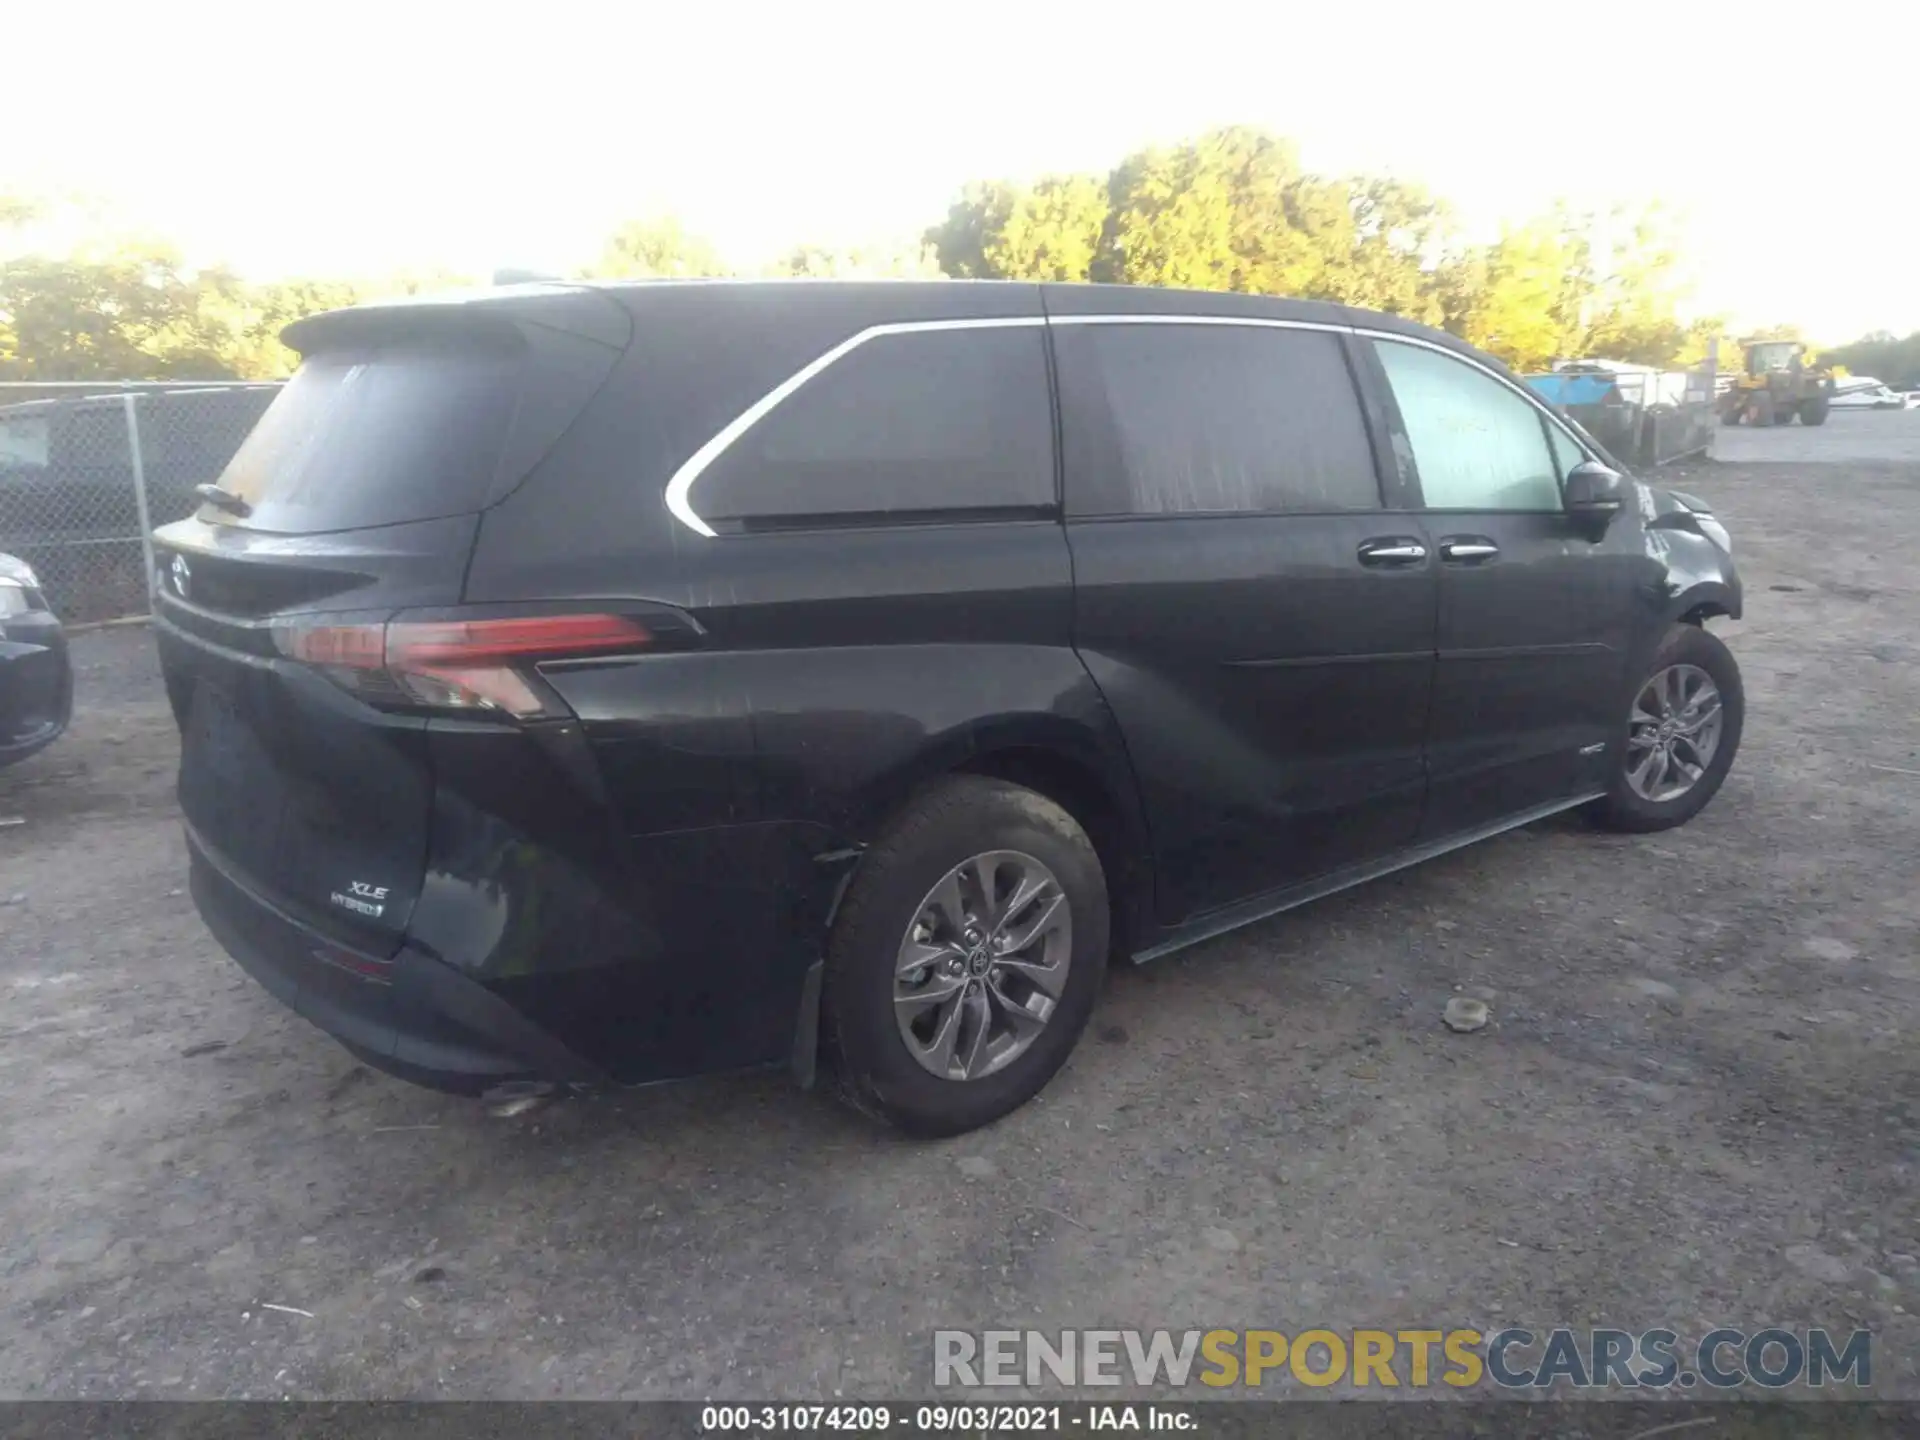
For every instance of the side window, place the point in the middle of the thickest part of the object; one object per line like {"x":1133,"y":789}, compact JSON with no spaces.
{"x":925,"y":422}
{"x":1198,"y":419}
{"x":1566,"y":454}
{"x":1478,"y":445}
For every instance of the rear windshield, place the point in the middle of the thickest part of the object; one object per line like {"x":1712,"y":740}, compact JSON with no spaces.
{"x":379,"y":436}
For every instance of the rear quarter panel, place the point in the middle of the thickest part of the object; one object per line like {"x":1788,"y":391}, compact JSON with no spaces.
{"x":837,"y":670}
{"x":660,"y":905}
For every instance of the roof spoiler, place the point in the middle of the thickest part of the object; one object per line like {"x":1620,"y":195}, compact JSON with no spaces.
{"x":572,"y":309}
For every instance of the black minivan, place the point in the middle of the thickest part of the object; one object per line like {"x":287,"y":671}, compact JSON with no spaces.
{"x":587,"y":684}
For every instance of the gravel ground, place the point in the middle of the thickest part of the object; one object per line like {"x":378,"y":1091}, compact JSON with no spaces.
{"x":1883,"y":435}
{"x":1698,"y":1102}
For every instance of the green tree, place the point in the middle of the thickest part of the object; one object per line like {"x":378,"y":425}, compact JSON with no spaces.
{"x":130,"y":309}
{"x":860,"y":262}
{"x":1522,"y":297}
{"x":257,"y":353}
{"x":1051,"y":230}
{"x":1234,"y":211}
{"x":659,"y":247}
{"x":1569,"y":284}
{"x":1708,"y":337}
{"x":133,"y":312}
{"x":1632,"y":312}
{"x":1883,"y":356}
{"x":1231,"y":210}
{"x":1211,"y":215}
{"x":961,"y":243}
{"x":1370,"y":242}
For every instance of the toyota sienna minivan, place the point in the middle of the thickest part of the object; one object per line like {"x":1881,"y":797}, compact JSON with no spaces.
{"x":607,"y":684}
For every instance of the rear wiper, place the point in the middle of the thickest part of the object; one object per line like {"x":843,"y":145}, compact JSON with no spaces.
{"x":223,"y":500}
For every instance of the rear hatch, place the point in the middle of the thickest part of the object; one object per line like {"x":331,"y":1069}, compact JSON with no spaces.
{"x":309,"y":619}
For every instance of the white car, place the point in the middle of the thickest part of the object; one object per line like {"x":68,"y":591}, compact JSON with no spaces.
{"x":1862,"y":392}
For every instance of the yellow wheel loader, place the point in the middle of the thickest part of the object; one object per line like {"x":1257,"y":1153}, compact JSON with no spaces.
{"x":1778,"y":380}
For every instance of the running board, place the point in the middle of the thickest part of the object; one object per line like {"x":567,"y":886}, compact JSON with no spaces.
{"x":1246,"y":912}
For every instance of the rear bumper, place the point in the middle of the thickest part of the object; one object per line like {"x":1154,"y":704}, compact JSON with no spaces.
{"x":36,"y":685}
{"x":409,"y":1015}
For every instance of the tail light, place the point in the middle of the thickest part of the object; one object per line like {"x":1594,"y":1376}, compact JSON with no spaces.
{"x":467,"y":665}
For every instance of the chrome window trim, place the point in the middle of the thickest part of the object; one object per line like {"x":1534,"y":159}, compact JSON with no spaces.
{"x":680,"y":485}
{"x":1256,"y":322}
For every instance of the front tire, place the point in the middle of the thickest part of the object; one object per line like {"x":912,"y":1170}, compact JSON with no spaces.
{"x":966,"y":958}
{"x":1683,"y":727}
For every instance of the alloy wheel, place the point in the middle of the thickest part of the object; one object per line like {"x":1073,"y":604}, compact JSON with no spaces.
{"x":1673,"y":732}
{"x":981,"y":968}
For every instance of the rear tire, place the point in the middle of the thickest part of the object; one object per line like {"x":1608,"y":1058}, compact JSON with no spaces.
{"x":1688,"y":650}
{"x":893,"y":904}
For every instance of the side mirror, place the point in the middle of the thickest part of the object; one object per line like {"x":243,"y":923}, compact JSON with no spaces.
{"x":1593,"y":496}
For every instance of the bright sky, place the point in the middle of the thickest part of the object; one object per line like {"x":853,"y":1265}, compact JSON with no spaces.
{"x":353,"y":139}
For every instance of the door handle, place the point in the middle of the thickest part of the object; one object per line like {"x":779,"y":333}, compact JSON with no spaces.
{"x":1393,"y":550}
{"x":1468,"y":550}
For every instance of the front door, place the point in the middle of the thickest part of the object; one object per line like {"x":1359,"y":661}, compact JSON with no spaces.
{"x":1534,"y":613}
{"x":1260,"y":623}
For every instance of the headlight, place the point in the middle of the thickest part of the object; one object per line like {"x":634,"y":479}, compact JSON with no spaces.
{"x":17,"y":572}
{"x":13,"y":597}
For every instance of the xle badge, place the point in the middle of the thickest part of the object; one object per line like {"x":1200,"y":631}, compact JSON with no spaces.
{"x":362,"y":898}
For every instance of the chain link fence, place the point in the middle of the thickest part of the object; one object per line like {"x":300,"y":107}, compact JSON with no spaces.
{"x":88,"y":471}
{"x":1643,"y":416}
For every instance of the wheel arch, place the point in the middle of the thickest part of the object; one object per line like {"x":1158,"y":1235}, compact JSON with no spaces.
{"x":1091,"y":797}
{"x":1072,"y":763}
{"x":1079,"y":766}
{"x":1704,"y":601}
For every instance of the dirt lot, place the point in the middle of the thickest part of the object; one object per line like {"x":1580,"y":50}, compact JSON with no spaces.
{"x":1886,"y":435}
{"x":1698,"y":1104}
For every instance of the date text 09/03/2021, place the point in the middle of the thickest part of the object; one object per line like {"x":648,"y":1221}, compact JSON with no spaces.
{"x":944,"y":1419}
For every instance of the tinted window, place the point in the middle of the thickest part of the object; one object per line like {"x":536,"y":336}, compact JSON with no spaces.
{"x":1478,"y":445}
{"x":1566,"y":454}
{"x":935,"y":421}
{"x":1191,"y":419}
{"x":378,"y":437}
